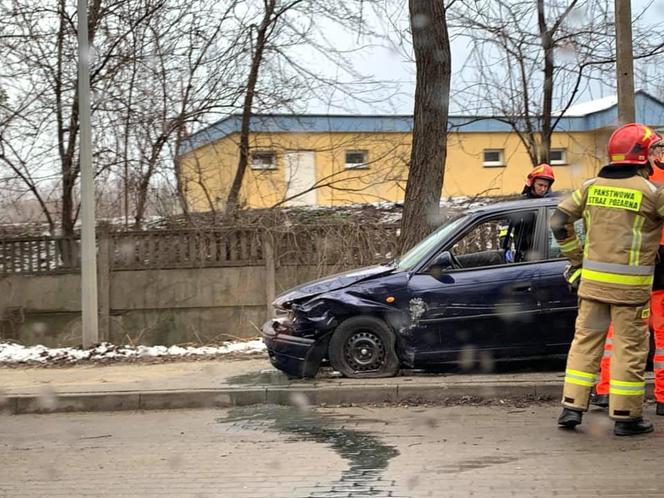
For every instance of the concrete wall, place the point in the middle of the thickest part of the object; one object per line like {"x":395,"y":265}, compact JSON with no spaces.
{"x":147,"y":306}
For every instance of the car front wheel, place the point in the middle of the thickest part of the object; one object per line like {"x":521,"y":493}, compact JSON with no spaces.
{"x":364,"y":346}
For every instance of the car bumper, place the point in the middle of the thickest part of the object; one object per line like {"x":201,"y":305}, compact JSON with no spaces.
{"x":296,"y":356}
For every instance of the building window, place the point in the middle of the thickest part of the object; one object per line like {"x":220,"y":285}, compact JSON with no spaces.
{"x":558,"y":156}
{"x":357,"y":159}
{"x":265,"y":159}
{"x":494,"y":157}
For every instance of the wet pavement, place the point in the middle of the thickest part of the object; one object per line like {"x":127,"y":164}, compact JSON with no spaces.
{"x":205,"y":374}
{"x":365,"y":455}
{"x":263,"y":377}
{"x":226,"y":383}
{"x":272,"y":451}
{"x":244,"y":373}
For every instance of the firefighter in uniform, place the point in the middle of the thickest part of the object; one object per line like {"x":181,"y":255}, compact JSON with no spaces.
{"x":601,"y":397}
{"x":538,"y":185}
{"x":539,"y":182}
{"x":623,"y":214}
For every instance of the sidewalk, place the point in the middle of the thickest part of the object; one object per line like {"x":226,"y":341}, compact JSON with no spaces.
{"x":234,"y":382}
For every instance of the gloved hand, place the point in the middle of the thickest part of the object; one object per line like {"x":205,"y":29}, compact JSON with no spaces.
{"x":572,"y":275}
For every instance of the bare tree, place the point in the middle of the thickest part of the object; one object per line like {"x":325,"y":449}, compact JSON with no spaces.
{"x":276,"y":77}
{"x":188,"y":60}
{"x":40,"y":72}
{"x":268,"y":22}
{"x":431,"y":44}
{"x":527,"y":57}
{"x":158,"y":67}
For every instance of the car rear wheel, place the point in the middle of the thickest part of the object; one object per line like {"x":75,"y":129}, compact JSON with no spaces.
{"x":364,"y":346}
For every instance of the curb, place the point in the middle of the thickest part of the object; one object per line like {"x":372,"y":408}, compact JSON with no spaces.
{"x":18,"y":404}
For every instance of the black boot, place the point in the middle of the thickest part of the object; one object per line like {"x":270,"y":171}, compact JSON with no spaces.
{"x":601,"y":400}
{"x":570,"y":418}
{"x":660,"y":408}
{"x":633,"y":427}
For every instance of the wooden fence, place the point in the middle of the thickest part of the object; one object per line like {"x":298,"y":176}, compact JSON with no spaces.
{"x":342,"y":245}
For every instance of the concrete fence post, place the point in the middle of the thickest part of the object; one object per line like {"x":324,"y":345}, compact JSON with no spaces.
{"x":270,"y":272}
{"x":104,"y":283}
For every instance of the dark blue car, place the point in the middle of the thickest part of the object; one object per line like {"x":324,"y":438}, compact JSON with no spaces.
{"x":486,"y":286}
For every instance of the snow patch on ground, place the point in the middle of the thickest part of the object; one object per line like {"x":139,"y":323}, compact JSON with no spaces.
{"x":11,"y":353}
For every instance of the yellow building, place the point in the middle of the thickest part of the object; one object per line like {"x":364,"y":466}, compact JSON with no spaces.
{"x":334,"y":159}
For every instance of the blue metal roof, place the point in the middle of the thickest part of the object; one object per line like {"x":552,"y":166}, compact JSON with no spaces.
{"x":648,"y":110}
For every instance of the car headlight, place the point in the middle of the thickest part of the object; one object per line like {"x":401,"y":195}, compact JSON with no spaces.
{"x":285,"y":312}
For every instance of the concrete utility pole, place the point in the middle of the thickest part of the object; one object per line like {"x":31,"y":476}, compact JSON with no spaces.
{"x":90,"y":326}
{"x":625,"y":62}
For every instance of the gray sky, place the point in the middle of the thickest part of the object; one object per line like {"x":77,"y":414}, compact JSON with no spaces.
{"x":392,"y":66}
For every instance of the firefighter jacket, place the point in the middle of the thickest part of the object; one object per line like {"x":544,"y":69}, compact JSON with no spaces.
{"x":623,"y":214}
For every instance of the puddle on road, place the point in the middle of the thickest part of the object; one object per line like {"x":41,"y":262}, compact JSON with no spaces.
{"x":366,"y":455}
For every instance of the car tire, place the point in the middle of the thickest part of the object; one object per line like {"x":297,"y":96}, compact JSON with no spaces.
{"x":363,"y":347}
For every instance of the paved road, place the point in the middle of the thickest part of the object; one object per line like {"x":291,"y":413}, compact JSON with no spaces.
{"x":269,"y":451}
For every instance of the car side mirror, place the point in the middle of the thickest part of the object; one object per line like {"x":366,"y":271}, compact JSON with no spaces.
{"x":444,"y":259}
{"x":440,"y":263}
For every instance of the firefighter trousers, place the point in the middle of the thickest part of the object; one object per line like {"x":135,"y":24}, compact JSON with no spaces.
{"x":630,"y":351}
{"x":657,"y":327}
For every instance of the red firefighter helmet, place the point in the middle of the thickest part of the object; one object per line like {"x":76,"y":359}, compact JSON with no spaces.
{"x":541,"y":171}
{"x":630,"y":144}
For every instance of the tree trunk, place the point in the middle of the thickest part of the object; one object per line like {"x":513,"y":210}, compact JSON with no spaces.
{"x":431,"y":45}
{"x":177,"y":165}
{"x":546,"y":38}
{"x":257,"y":59}
{"x":144,"y":184}
{"x":66,"y":132}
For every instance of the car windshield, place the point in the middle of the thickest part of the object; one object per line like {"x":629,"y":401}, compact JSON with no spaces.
{"x":408,"y":261}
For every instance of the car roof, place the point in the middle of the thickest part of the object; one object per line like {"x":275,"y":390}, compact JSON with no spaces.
{"x":517,"y":203}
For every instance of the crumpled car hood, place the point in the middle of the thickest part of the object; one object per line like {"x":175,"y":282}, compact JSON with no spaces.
{"x":331,"y":283}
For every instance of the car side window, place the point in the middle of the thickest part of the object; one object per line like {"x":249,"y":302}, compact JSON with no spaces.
{"x":554,"y":248}
{"x":505,"y":239}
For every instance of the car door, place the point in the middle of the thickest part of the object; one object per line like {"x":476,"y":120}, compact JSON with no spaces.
{"x":559,"y":305}
{"x":487,"y":306}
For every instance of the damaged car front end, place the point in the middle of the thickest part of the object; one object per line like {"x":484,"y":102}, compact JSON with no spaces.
{"x":295,"y":346}
{"x":298,"y":338}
